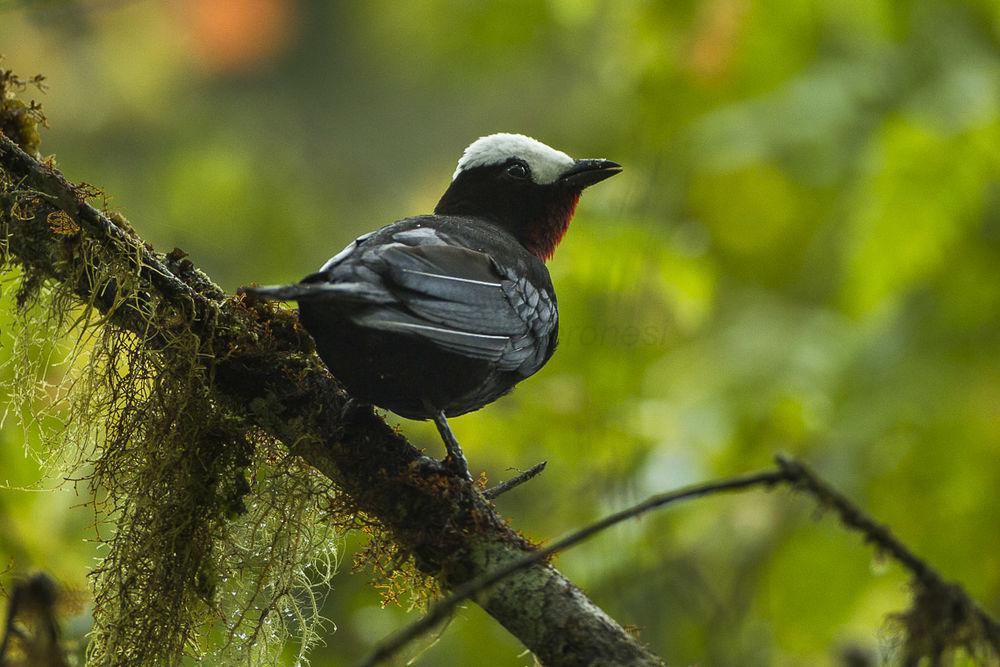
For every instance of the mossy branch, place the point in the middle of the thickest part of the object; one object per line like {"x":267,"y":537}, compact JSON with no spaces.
{"x":255,"y":373}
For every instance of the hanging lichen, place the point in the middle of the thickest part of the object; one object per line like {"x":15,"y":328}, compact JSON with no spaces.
{"x":216,"y":543}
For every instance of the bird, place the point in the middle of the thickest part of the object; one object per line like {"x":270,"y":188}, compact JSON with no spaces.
{"x":435,"y":316}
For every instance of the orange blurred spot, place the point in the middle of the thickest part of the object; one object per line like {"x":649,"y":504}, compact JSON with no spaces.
{"x":232,"y":35}
{"x":715,"y":38}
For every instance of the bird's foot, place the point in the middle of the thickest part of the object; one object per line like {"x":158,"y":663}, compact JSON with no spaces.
{"x":445,"y":466}
{"x":457,"y":466}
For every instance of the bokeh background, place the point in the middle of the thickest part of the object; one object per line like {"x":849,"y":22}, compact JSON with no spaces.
{"x":802,"y":255}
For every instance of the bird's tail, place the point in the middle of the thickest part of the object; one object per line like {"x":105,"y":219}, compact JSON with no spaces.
{"x":358,"y":292}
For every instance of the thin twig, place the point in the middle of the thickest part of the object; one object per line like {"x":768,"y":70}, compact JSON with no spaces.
{"x":854,"y":518}
{"x":790,"y":471}
{"x":442,"y":609}
{"x":503,"y":487}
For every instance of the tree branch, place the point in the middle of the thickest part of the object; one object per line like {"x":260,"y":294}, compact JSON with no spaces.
{"x":263,"y":371}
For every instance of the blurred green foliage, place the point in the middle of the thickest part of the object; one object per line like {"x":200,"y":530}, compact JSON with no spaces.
{"x":801,"y":255}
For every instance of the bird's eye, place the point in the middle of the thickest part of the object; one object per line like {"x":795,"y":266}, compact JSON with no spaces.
{"x":517,"y":170}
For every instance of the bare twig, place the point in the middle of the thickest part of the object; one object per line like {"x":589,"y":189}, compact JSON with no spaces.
{"x":503,"y":487}
{"x":807,"y":481}
{"x":933,"y":592}
{"x":442,"y":609}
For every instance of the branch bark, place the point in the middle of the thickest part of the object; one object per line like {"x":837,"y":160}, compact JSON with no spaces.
{"x":263,"y":370}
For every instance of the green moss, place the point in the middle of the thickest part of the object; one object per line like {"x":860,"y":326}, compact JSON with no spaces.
{"x":395,"y":574}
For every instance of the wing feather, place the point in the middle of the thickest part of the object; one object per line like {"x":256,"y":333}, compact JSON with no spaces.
{"x":457,"y":298}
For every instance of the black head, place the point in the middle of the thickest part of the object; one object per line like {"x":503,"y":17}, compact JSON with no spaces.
{"x":522,"y":185}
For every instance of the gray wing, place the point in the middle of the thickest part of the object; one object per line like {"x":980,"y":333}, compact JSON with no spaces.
{"x":462,"y":301}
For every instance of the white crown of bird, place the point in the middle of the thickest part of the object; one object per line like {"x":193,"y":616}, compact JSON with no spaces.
{"x":546,"y":163}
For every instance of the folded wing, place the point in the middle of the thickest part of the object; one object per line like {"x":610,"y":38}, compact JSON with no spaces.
{"x":462,"y":301}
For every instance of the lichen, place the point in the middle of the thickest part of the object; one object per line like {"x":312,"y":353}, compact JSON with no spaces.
{"x":942,"y":621}
{"x":215,"y":542}
{"x":19,"y":120}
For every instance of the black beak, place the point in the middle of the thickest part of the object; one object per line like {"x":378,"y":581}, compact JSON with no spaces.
{"x":587,"y":172}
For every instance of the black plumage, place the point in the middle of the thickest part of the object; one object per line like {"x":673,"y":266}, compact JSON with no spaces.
{"x":437,"y":315}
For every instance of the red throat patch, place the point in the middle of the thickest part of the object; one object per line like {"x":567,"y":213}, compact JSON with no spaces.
{"x":543,"y":239}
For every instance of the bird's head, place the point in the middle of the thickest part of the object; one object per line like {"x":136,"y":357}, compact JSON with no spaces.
{"x":523,"y":186}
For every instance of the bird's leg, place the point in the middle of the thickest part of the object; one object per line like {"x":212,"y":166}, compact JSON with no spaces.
{"x":455,"y":458}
